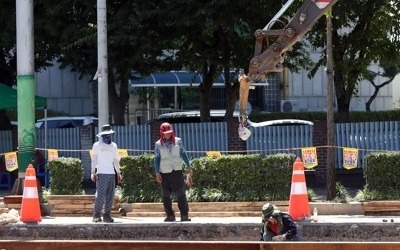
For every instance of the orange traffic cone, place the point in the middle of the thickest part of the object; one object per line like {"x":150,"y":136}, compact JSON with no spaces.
{"x":298,"y":203}
{"x":30,"y":207}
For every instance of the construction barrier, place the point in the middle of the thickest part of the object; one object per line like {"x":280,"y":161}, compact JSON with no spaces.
{"x":30,"y":205}
{"x":298,"y":203}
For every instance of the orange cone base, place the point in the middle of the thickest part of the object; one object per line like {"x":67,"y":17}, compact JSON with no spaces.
{"x":299,"y":207}
{"x":30,"y":210}
{"x":30,"y":207}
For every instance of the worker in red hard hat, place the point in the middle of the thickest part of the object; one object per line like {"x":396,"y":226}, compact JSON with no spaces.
{"x":168,"y":155}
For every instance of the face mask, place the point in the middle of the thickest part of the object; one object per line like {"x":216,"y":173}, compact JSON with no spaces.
{"x":106,"y":139}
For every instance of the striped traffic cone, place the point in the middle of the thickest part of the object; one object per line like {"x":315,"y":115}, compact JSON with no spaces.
{"x":298,"y":203}
{"x":30,"y":207}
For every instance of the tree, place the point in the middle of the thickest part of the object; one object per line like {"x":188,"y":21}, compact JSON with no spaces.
{"x":130,"y":43}
{"x":389,"y":72}
{"x":365,"y":31}
{"x":208,"y":37}
{"x":44,"y":51}
{"x":218,"y":36}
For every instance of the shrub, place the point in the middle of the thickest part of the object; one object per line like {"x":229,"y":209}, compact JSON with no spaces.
{"x":226,"y":178}
{"x":66,"y":176}
{"x":341,"y":193}
{"x":311,"y":194}
{"x":139,"y":184}
{"x":382,"y":174}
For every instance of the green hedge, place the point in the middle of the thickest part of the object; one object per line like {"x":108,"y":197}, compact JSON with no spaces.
{"x":66,"y":176}
{"x":138,"y":180}
{"x":226,"y":178}
{"x":382,"y":175}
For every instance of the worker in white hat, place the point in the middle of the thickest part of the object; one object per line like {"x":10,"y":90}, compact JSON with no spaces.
{"x":105,"y":169}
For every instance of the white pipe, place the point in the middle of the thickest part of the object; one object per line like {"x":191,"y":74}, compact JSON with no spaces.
{"x":25,"y":48}
{"x":279,"y":14}
{"x":102,"y":62}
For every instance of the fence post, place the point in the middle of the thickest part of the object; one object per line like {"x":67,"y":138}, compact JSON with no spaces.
{"x":320,"y":139}
{"x":234,"y":142}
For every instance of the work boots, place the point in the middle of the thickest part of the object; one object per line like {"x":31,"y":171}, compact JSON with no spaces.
{"x":107,"y":218}
{"x":185,"y":218}
{"x":96,"y":218}
{"x":170,"y":218}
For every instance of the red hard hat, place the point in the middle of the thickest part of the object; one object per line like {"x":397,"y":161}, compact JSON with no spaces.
{"x":166,"y":128}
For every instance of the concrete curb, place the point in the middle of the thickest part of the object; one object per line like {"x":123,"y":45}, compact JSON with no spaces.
{"x":331,"y":208}
{"x":324,"y":208}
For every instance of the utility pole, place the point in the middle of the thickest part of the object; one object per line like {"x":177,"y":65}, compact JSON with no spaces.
{"x":102,"y":62}
{"x":25,"y":88}
{"x":330,"y":167}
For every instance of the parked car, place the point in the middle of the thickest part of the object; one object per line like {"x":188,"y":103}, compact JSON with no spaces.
{"x":218,"y":116}
{"x":66,"y":121}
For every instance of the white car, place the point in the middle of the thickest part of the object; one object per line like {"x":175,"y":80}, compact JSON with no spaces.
{"x":66,"y":121}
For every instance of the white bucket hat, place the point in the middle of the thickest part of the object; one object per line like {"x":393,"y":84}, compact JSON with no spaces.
{"x":105,"y":130}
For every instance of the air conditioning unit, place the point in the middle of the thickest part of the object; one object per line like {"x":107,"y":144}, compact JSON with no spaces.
{"x":289,"y":105}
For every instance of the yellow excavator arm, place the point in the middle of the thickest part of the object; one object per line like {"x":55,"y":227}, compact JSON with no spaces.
{"x":270,"y":59}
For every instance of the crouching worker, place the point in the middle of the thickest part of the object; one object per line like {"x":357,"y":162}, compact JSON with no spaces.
{"x":277,"y":226}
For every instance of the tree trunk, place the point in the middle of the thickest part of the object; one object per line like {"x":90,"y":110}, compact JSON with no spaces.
{"x":209,"y":72}
{"x":118,"y":101}
{"x":376,"y":91}
{"x":232,"y":92}
{"x":342,"y":105}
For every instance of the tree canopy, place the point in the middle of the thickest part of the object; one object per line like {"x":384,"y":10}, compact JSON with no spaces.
{"x":207,"y":36}
{"x":364,"y":32}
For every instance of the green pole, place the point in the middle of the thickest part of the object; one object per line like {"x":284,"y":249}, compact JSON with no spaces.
{"x":26,"y":121}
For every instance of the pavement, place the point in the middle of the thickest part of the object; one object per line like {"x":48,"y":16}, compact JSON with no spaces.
{"x":323,"y":219}
{"x":346,"y":213}
{"x":328,"y":228}
{"x":346,"y":224}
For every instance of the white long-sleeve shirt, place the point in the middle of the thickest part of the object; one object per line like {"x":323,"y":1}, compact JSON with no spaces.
{"x":105,"y":157}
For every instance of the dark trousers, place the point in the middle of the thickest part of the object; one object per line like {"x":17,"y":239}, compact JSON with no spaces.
{"x":105,"y":191}
{"x":173,"y":183}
